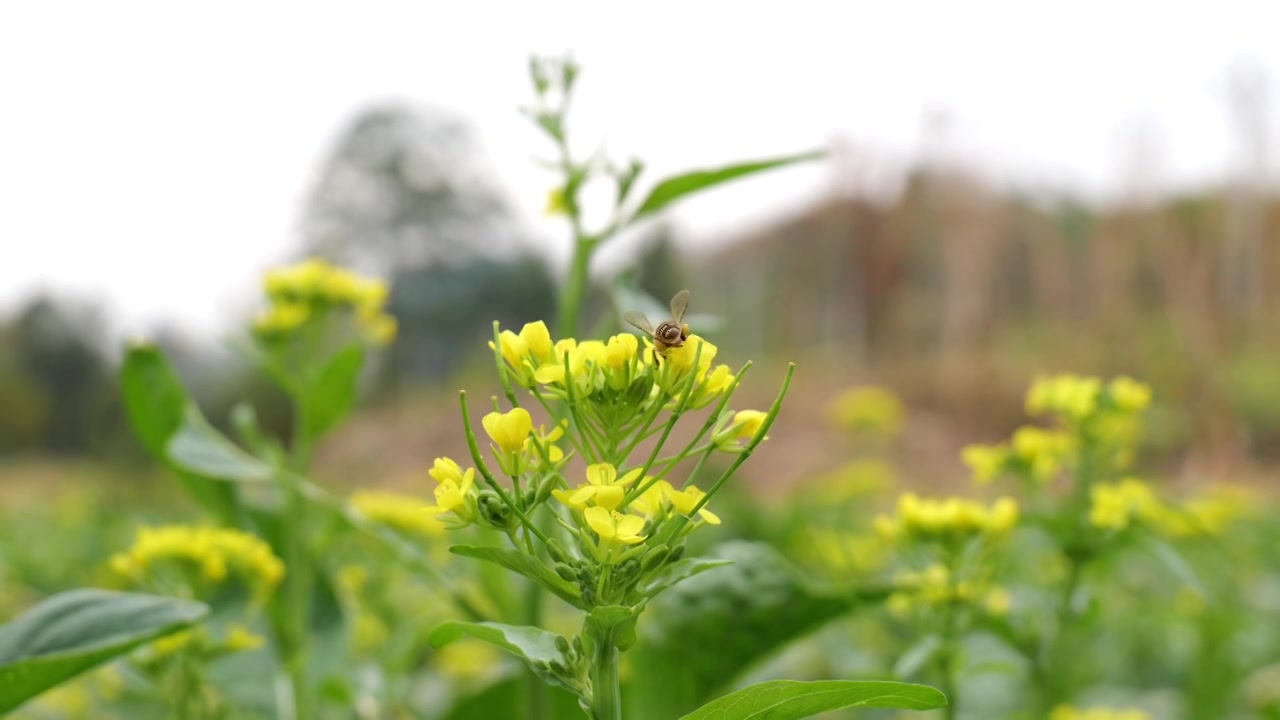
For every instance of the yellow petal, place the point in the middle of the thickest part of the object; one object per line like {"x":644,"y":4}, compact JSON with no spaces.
{"x":601,"y":474}
{"x":609,"y":496}
{"x":629,"y":527}
{"x":601,"y":521}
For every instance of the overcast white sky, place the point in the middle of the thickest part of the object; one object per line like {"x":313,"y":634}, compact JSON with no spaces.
{"x":154,"y":156}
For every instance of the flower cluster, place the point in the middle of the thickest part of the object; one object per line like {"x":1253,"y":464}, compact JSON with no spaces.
{"x":1117,"y":505}
{"x":951,"y":520}
{"x":1067,"y":712}
{"x":937,"y":586}
{"x":206,"y":555}
{"x":868,"y":409}
{"x":612,"y":377}
{"x":312,"y":290}
{"x":1099,"y":419}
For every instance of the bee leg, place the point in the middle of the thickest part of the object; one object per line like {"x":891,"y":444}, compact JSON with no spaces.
{"x":655,"y":356}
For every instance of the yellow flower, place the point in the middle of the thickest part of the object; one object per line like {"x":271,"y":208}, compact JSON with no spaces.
{"x":947,"y":519}
{"x":1067,"y":712}
{"x":986,"y":461}
{"x":445,"y":469}
{"x":870,"y":408}
{"x":404,"y":513}
{"x":537,"y":340}
{"x":614,"y":528}
{"x":240,"y":638}
{"x":746,"y":424}
{"x":514,"y":349}
{"x":282,"y":319}
{"x":604,"y":488}
{"x":509,"y":431}
{"x":998,"y":602}
{"x":583,"y":359}
{"x":1043,"y":452}
{"x":654,"y":500}
{"x":379,"y":327}
{"x":711,"y":386}
{"x":452,"y":496}
{"x":679,"y":363}
{"x":545,"y":439}
{"x":213,"y":552}
{"x":1071,"y":396}
{"x":1116,"y":505}
{"x":687,"y":499}
{"x":1129,"y":395}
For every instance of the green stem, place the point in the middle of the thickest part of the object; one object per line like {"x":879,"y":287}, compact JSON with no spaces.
{"x":606,"y":691}
{"x":535,"y":690}
{"x":575,"y":286}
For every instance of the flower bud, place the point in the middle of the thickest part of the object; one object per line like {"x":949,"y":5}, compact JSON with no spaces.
{"x":656,"y":557}
{"x":566,"y":572}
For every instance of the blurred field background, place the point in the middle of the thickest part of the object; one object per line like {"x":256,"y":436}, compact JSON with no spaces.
{"x":920,"y":269}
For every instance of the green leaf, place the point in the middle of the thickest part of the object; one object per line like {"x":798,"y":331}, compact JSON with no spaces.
{"x":537,"y":647}
{"x":332,"y":393}
{"x":527,"y":566}
{"x":157,"y":405}
{"x":790,"y":699}
{"x":197,"y":447}
{"x":672,"y":189}
{"x":614,"y":624}
{"x":76,"y":631}
{"x":700,"y":635}
{"x":682,"y":570}
{"x":524,"y":641}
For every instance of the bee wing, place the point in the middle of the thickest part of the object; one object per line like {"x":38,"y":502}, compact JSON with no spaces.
{"x":639,"y":321}
{"x":679,"y":304}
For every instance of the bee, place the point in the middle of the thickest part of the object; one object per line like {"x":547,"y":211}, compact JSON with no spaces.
{"x":670,"y":333}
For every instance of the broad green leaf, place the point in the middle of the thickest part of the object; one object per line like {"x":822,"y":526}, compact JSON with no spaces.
{"x":537,"y":647}
{"x":197,"y":447}
{"x":526,"y":566}
{"x":916,"y":656}
{"x":701,"y":634}
{"x":156,"y":404}
{"x":524,"y":641}
{"x":331,"y":394}
{"x":791,"y":699}
{"x":78,"y":630}
{"x":674,"y":188}
{"x":682,"y":570}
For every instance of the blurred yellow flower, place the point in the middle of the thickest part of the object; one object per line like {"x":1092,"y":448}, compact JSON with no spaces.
{"x":1114,"y":506}
{"x":869,"y":409}
{"x":948,"y":519}
{"x":404,"y":513}
{"x":1067,"y":712}
{"x":1071,"y":396}
{"x":213,"y":552}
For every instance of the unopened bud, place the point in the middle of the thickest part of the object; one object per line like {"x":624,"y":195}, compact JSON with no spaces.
{"x":655,"y":558}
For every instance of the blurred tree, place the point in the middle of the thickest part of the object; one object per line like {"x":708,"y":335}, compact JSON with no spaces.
{"x":57,"y":346}
{"x":408,"y":189}
{"x":407,"y":194}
